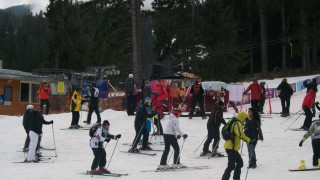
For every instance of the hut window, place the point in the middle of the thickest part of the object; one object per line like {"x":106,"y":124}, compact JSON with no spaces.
{"x":28,"y":92}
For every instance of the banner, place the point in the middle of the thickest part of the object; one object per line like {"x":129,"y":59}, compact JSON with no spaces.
{"x":60,"y":87}
{"x":236,"y":92}
{"x":103,"y":90}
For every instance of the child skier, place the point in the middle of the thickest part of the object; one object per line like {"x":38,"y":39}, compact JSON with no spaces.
{"x":170,"y":139}
{"x":96,"y":143}
{"x":314,"y":132}
{"x":252,"y":129}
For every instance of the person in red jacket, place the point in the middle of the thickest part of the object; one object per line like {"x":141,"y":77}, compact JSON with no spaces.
{"x":157,"y":107}
{"x":43,"y":92}
{"x":306,"y":106}
{"x":162,"y":92}
{"x":255,"y":89}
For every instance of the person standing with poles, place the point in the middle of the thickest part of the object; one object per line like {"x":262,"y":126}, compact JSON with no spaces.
{"x":307,"y":104}
{"x":43,"y":92}
{"x":75,"y":106}
{"x":25,"y":122}
{"x":100,"y":135}
{"x":252,"y":129}
{"x":285,"y":95}
{"x":197,"y":92}
{"x":232,"y":147}
{"x":131,"y":95}
{"x":93,"y":103}
{"x":255,"y":89}
{"x":171,"y":134}
{"x":213,"y":125}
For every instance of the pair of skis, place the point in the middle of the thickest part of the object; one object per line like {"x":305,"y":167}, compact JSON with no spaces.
{"x":104,"y":174}
{"x":178,"y":169}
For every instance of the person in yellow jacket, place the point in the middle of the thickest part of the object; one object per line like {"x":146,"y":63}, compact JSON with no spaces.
{"x":232,"y":147}
{"x":75,"y":106}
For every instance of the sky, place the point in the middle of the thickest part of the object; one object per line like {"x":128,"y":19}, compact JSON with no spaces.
{"x":41,"y":4}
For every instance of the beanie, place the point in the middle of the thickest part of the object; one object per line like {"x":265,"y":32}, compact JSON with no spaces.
{"x":242,"y":116}
{"x":147,"y":100}
{"x":29,"y":107}
{"x":105,"y":122}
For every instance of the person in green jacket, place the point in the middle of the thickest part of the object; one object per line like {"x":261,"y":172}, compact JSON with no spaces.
{"x":232,"y":147}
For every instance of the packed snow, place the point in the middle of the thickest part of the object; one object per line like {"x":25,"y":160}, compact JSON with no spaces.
{"x":275,"y":155}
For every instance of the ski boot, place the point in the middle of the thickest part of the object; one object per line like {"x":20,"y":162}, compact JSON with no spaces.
{"x":163,"y":167}
{"x":93,"y":171}
{"x":178,"y":166}
{"x":302,"y":165}
{"x":148,"y":148}
{"x":217,"y":154}
{"x":205,"y":153}
{"x":104,"y":171}
{"x":135,"y":150}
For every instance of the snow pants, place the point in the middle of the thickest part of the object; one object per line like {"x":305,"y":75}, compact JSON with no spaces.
{"x":316,"y":151}
{"x":93,"y":107}
{"x":131,"y":104}
{"x":213,"y":133}
{"x":195,"y":100}
{"x":100,"y":158}
{"x":285,"y":103}
{"x":235,"y":163}
{"x":170,"y":140}
{"x":255,"y":105}
{"x":141,"y":130}
{"x":75,"y":118}
{"x":33,"y":145}
{"x":42,"y":102}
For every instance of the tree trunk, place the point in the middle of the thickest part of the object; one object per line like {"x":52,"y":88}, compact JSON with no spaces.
{"x":304,"y":45}
{"x":284,"y":58}
{"x":135,"y":9}
{"x":264,"y":48}
{"x":314,"y":56}
{"x":193,"y":64}
{"x":251,"y":51}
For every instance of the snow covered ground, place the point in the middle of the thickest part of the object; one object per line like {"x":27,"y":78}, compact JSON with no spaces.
{"x":276,"y":154}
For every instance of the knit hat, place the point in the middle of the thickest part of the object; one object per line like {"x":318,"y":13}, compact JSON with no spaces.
{"x":29,"y":107}
{"x":242,"y":116}
{"x":147,"y":100}
{"x":105,"y":122}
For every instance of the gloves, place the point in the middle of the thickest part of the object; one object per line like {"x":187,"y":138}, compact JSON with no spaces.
{"x":51,"y":122}
{"x":107,"y":140}
{"x":185,"y":136}
{"x":178,"y":137}
{"x":118,"y":136}
{"x":300,"y":144}
{"x":156,"y":116}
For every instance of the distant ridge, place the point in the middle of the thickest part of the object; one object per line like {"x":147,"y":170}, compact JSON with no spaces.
{"x":19,"y":10}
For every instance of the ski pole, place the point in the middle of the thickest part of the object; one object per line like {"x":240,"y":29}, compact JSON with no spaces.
{"x":180,"y":151}
{"x":54,"y":141}
{"x":136,"y":139}
{"x":113,"y":153}
{"x":200,"y":144}
{"x":293,"y":122}
{"x":214,"y":150}
{"x":291,"y":116}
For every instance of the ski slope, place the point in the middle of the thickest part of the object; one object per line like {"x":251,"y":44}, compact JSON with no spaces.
{"x":275,"y":155}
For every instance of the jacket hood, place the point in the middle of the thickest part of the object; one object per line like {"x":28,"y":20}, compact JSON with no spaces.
{"x":242,"y":116}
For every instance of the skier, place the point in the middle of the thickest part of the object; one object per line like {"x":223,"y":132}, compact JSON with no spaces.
{"x":213,"y":125}
{"x":306,"y":106}
{"x":93,"y":103}
{"x":314,"y":132}
{"x":197,"y":92}
{"x":157,"y":106}
{"x":43,"y":92}
{"x":75,"y":104}
{"x":149,"y":117}
{"x":131,"y":95}
{"x":262,"y":97}
{"x":96,"y":143}
{"x":25,"y":122}
{"x":35,"y":130}
{"x":141,"y":128}
{"x":232,"y":147}
{"x":170,"y":139}
{"x":255,"y":89}
{"x":252,"y":129}
{"x":311,"y":85}
{"x":285,"y":95}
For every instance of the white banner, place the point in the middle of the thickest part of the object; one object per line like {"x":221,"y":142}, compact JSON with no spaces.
{"x":236,"y":92}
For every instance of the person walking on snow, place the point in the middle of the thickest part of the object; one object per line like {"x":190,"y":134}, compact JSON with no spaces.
{"x":252,"y":129}
{"x":285,"y":95}
{"x":25,"y":122}
{"x":232,"y":147}
{"x":35,"y":130}
{"x":157,"y":106}
{"x":171,"y":133}
{"x":213,"y":125}
{"x":314,"y":132}
{"x":96,"y":143}
{"x":93,"y":103}
{"x":131,"y":95}
{"x":307,"y":104}
{"x":43,"y":92}
{"x":255,"y":89}
{"x":197,"y":92}
{"x":75,"y":106}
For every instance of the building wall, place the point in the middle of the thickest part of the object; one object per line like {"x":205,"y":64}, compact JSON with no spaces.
{"x":16,"y":107}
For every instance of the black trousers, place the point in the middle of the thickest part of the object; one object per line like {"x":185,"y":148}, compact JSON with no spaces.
{"x":170,"y":140}
{"x":213,"y":133}
{"x":157,"y":123}
{"x":95,"y":108}
{"x":100,"y":158}
{"x":285,"y":103}
{"x":131,"y":104}
{"x":144,"y":131}
{"x":42,"y":102}
{"x":75,"y":117}
{"x":255,"y":105}
{"x":195,"y":100}
{"x":308,"y":120}
{"x":235,"y":163}
{"x":261,"y":104}
{"x":316,"y":151}
{"x":27,"y":141}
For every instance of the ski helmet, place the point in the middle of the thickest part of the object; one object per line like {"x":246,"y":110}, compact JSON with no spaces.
{"x":176,"y":111}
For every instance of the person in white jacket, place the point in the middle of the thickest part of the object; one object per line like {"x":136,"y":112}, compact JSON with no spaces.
{"x":171,"y":133}
{"x":96,"y":143}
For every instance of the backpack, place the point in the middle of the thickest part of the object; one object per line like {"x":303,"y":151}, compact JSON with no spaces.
{"x":93,"y":129}
{"x":226,"y":130}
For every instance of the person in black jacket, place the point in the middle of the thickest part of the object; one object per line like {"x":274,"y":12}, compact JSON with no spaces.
{"x":93,"y":105}
{"x":25,"y":122}
{"x":213,"y":125}
{"x":252,"y":129}
{"x":311,"y":85}
{"x":35,"y":130}
{"x":146,"y":90}
{"x":262,"y":97}
{"x":197,"y":92}
{"x":130,"y":94}
{"x":285,"y":95}
{"x":141,"y":128}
